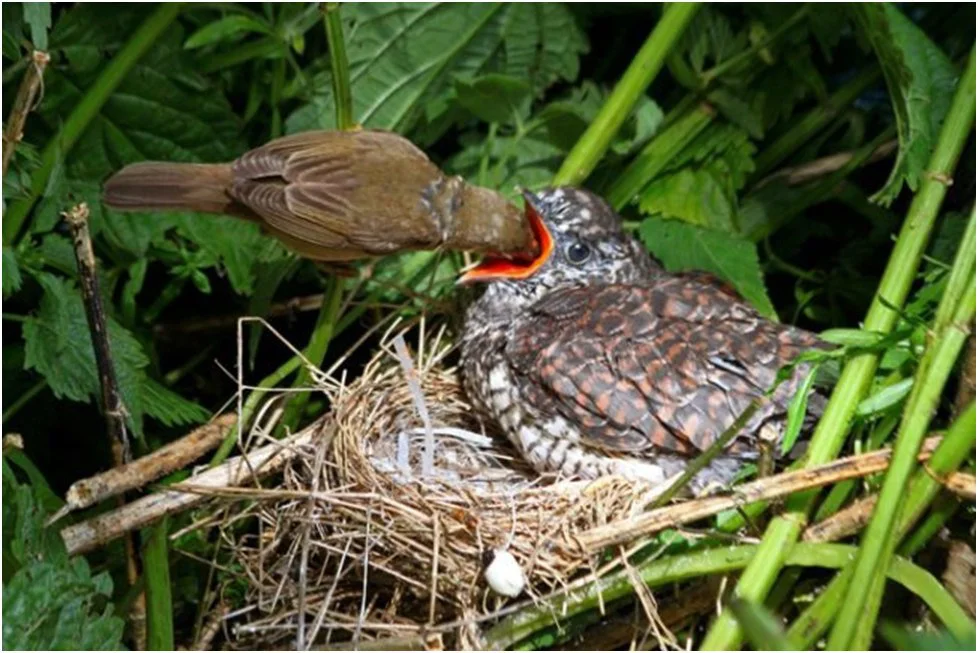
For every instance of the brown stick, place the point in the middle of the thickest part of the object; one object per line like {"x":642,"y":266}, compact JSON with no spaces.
{"x":30,"y":85}
{"x":848,"y":521}
{"x":961,"y":484}
{"x":772,"y":487}
{"x":800,"y":174}
{"x":289,"y":307}
{"x":115,"y":412}
{"x":90,"y":534}
{"x":145,"y":470}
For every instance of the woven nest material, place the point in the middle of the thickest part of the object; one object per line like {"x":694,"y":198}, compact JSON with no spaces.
{"x":370,"y":540}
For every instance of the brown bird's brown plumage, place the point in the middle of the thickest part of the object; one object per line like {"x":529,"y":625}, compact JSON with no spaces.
{"x":334,"y":195}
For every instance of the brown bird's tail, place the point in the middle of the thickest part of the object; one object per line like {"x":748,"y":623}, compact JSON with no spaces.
{"x":171,"y":186}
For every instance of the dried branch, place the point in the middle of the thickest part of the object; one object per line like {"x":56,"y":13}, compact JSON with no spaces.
{"x":844,"y":523}
{"x":115,"y":412}
{"x":217,"y":322}
{"x":145,"y":470}
{"x":90,"y":534}
{"x":764,"y":489}
{"x":800,"y":174}
{"x":24,"y":102}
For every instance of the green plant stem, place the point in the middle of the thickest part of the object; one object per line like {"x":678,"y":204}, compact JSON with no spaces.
{"x":812,"y":123}
{"x":85,"y":111}
{"x":244,"y":52}
{"x":644,"y":67}
{"x":950,"y":454}
{"x":315,"y":351}
{"x":854,"y":627}
{"x":159,"y":602}
{"x":719,"y":560}
{"x":944,"y":507}
{"x":342,"y":97}
{"x":830,"y":434}
{"x":657,"y":154}
{"x":22,"y":400}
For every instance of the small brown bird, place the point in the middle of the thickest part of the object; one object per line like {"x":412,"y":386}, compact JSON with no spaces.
{"x":334,"y":196}
{"x":595,"y":360}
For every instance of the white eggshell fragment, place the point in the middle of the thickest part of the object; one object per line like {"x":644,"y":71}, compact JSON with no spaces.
{"x":504,"y":574}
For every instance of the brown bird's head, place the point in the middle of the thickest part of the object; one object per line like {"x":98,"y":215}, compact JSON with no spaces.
{"x":581,"y":242}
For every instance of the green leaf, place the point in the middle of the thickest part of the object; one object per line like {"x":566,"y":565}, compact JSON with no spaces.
{"x":221,"y":29}
{"x":168,"y":407}
{"x":51,"y":602}
{"x":797,"y":410}
{"x":902,"y":638}
{"x":38,"y":16}
{"x":494,"y":98}
{"x":694,"y":196}
{"x":58,"y":345}
{"x":885,"y":398}
{"x":921,"y":81}
{"x":11,"y":273}
{"x":404,"y":57}
{"x":682,"y":246}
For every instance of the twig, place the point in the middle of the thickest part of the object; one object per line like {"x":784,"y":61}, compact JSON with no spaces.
{"x":90,"y":534}
{"x":145,"y":470}
{"x":772,"y":487}
{"x":800,"y":174}
{"x":844,"y":523}
{"x":112,"y":406}
{"x":24,"y":102}
{"x":115,"y":412}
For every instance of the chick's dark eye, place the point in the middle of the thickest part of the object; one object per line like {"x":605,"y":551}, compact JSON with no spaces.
{"x":578,"y":252}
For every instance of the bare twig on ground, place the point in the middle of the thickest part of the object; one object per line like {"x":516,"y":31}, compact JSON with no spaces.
{"x":24,"y":102}
{"x":772,"y":487}
{"x":115,"y":412}
{"x":143,"y":471}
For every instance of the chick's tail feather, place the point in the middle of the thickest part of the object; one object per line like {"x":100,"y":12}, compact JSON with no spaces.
{"x":156,"y":186}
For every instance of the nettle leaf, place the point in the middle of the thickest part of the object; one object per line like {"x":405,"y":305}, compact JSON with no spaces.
{"x":921,"y":82}
{"x":700,"y":185}
{"x":11,"y":273}
{"x":682,"y":246}
{"x":51,"y":602}
{"x":404,"y":58}
{"x":710,"y":39}
{"x":494,"y":98}
{"x":696,"y":196}
{"x":511,"y":162}
{"x":58,"y":345}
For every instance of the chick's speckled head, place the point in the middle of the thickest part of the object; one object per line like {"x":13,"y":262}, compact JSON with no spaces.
{"x":581,"y":242}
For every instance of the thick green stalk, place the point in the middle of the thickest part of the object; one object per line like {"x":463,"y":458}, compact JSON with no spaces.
{"x":812,"y":123}
{"x":858,"y":373}
{"x":342,"y":96}
{"x":644,"y":67}
{"x":85,"y":111}
{"x":159,"y":602}
{"x":720,"y":560}
{"x":658,"y":153}
{"x":854,"y":627}
{"x":949,"y":456}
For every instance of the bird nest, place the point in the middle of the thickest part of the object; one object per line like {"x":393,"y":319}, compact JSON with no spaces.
{"x":383,"y":519}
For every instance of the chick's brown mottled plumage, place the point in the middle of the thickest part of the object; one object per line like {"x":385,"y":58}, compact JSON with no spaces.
{"x":595,"y":360}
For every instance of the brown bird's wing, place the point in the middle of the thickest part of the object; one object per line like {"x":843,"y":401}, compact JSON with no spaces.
{"x":668,"y":365}
{"x":329,"y":190}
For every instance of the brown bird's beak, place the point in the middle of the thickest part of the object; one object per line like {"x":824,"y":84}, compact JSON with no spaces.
{"x":498,"y":267}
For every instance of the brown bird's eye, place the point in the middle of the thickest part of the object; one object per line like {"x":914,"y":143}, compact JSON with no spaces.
{"x":577,"y":252}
